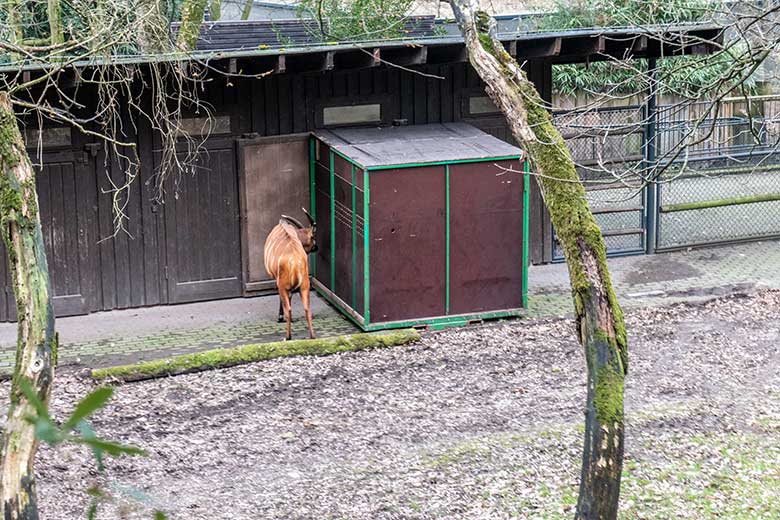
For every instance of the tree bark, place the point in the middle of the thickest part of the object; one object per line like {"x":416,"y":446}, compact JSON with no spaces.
{"x":247,"y":9}
{"x":215,"y":10}
{"x":599,"y":318}
{"x":191,"y":20}
{"x":153,"y":27}
{"x":36,"y":347}
{"x":54,"y":12}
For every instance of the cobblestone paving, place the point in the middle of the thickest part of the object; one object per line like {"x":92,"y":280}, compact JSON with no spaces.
{"x":663,"y":279}
{"x":640,"y":281}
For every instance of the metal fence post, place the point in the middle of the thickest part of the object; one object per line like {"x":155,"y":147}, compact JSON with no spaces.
{"x":650,"y":152}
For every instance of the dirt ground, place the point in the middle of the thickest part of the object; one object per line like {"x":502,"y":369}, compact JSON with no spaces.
{"x":471,"y":423}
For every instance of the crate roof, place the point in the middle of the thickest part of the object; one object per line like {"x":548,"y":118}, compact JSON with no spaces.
{"x":416,"y":144}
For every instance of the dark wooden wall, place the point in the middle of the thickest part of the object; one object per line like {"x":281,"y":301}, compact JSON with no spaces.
{"x":189,"y":248}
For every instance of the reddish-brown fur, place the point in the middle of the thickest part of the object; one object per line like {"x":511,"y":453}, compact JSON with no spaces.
{"x":286,"y":260}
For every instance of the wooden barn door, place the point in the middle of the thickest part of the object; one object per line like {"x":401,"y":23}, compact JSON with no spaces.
{"x":274,"y":174}
{"x":67,"y":197}
{"x":203,"y":249}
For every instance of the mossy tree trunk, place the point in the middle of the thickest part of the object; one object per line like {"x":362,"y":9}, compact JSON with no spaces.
{"x":191,"y":20}
{"x":215,"y":10}
{"x":247,"y":9}
{"x":36,"y":347}
{"x":153,"y":27}
{"x":54,"y":12}
{"x":599,"y":319}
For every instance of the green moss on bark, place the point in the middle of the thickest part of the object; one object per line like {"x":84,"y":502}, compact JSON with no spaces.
{"x":608,"y":396}
{"x":191,"y":20}
{"x":223,"y":358}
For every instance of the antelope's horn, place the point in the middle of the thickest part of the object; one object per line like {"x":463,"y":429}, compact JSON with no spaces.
{"x":294,"y":221}
{"x":311,"y":220}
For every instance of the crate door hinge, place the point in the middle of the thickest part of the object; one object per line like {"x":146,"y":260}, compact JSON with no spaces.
{"x":165,"y":272}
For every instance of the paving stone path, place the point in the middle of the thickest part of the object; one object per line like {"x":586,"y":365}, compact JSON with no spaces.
{"x":127,"y":336}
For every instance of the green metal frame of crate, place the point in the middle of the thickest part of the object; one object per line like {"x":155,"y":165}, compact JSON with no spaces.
{"x":364,"y":320}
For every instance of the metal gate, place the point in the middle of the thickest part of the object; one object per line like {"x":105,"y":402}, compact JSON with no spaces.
{"x":608,"y":145}
{"x":724,"y":188}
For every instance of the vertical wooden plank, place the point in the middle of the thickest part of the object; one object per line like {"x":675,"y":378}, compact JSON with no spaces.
{"x":73,"y":204}
{"x":366,"y":82}
{"x":241,"y":91}
{"x":122,"y":247}
{"x":353,"y":84}
{"x":272,"y":106}
{"x":153,"y":260}
{"x":380,"y":80}
{"x":458,"y":84}
{"x":258,"y":106}
{"x":311,"y":88}
{"x":420,"y":100}
{"x":56,"y":223}
{"x":446,"y":93}
{"x":396,"y":94}
{"x":105,"y":241}
{"x":433,"y":93}
{"x":299,"y":105}
{"x":285,"y":104}
{"x":136,"y":246}
{"x":339,"y":83}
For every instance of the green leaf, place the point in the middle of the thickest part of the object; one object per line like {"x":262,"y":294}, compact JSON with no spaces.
{"x":47,"y":431}
{"x":159,"y":515}
{"x":114,"y":449}
{"x":89,"y":405}
{"x":92,"y":513}
{"x":32,"y":396}
{"x":87,"y":433}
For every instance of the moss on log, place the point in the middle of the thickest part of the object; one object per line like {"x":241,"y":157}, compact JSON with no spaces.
{"x":228,"y":357}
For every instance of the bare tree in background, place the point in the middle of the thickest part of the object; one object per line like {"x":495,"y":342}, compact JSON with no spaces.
{"x":99,"y":33}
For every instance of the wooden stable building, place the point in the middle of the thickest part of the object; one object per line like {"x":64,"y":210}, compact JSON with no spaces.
{"x":206,"y":242}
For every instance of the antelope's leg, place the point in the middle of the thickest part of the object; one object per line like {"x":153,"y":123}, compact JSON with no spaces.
{"x":284,"y":294}
{"x":281,"y":309}
{"x":307,"y":310}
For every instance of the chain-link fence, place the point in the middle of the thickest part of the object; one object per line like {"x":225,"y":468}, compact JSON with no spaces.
{"x":723,"y":186}
{"x":607,"y":146}
{"x":724,"y":199}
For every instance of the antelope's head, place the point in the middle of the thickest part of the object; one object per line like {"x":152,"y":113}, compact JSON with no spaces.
{"x":305,"y":234}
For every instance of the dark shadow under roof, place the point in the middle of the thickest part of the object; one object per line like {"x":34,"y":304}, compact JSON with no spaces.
{"x":416,"y":144}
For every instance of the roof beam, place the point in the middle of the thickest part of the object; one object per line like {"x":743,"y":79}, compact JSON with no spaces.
{"x":314,"y":62}
{"x":438,"y":54}
{"x":406,"y":56}
{"x":357,"y":59}
{"x":534,"y":49}
{"x":625,"y":48}
{"x":581,"y":47}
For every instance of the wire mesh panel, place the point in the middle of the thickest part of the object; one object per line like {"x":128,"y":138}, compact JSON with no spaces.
{"x":718,"y":200}
{"x":607,"y":147}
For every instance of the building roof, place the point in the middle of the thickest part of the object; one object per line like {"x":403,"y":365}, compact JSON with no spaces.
{"x":235,"y":40}
{"x":416,"y":144}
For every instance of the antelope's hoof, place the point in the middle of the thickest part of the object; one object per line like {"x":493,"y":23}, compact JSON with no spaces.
{"x":280,"y":319}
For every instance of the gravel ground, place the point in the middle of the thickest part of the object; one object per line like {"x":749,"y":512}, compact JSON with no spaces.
{"x":470,"y":423}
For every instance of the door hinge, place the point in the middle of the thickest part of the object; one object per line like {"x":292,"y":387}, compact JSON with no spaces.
{"x":165,"y":272}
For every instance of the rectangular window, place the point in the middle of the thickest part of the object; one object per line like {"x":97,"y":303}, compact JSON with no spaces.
{"x":205,"y":126}
{"x":350,"y":115}
{"x":482,"y":105}
{"x":50,"y":137}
